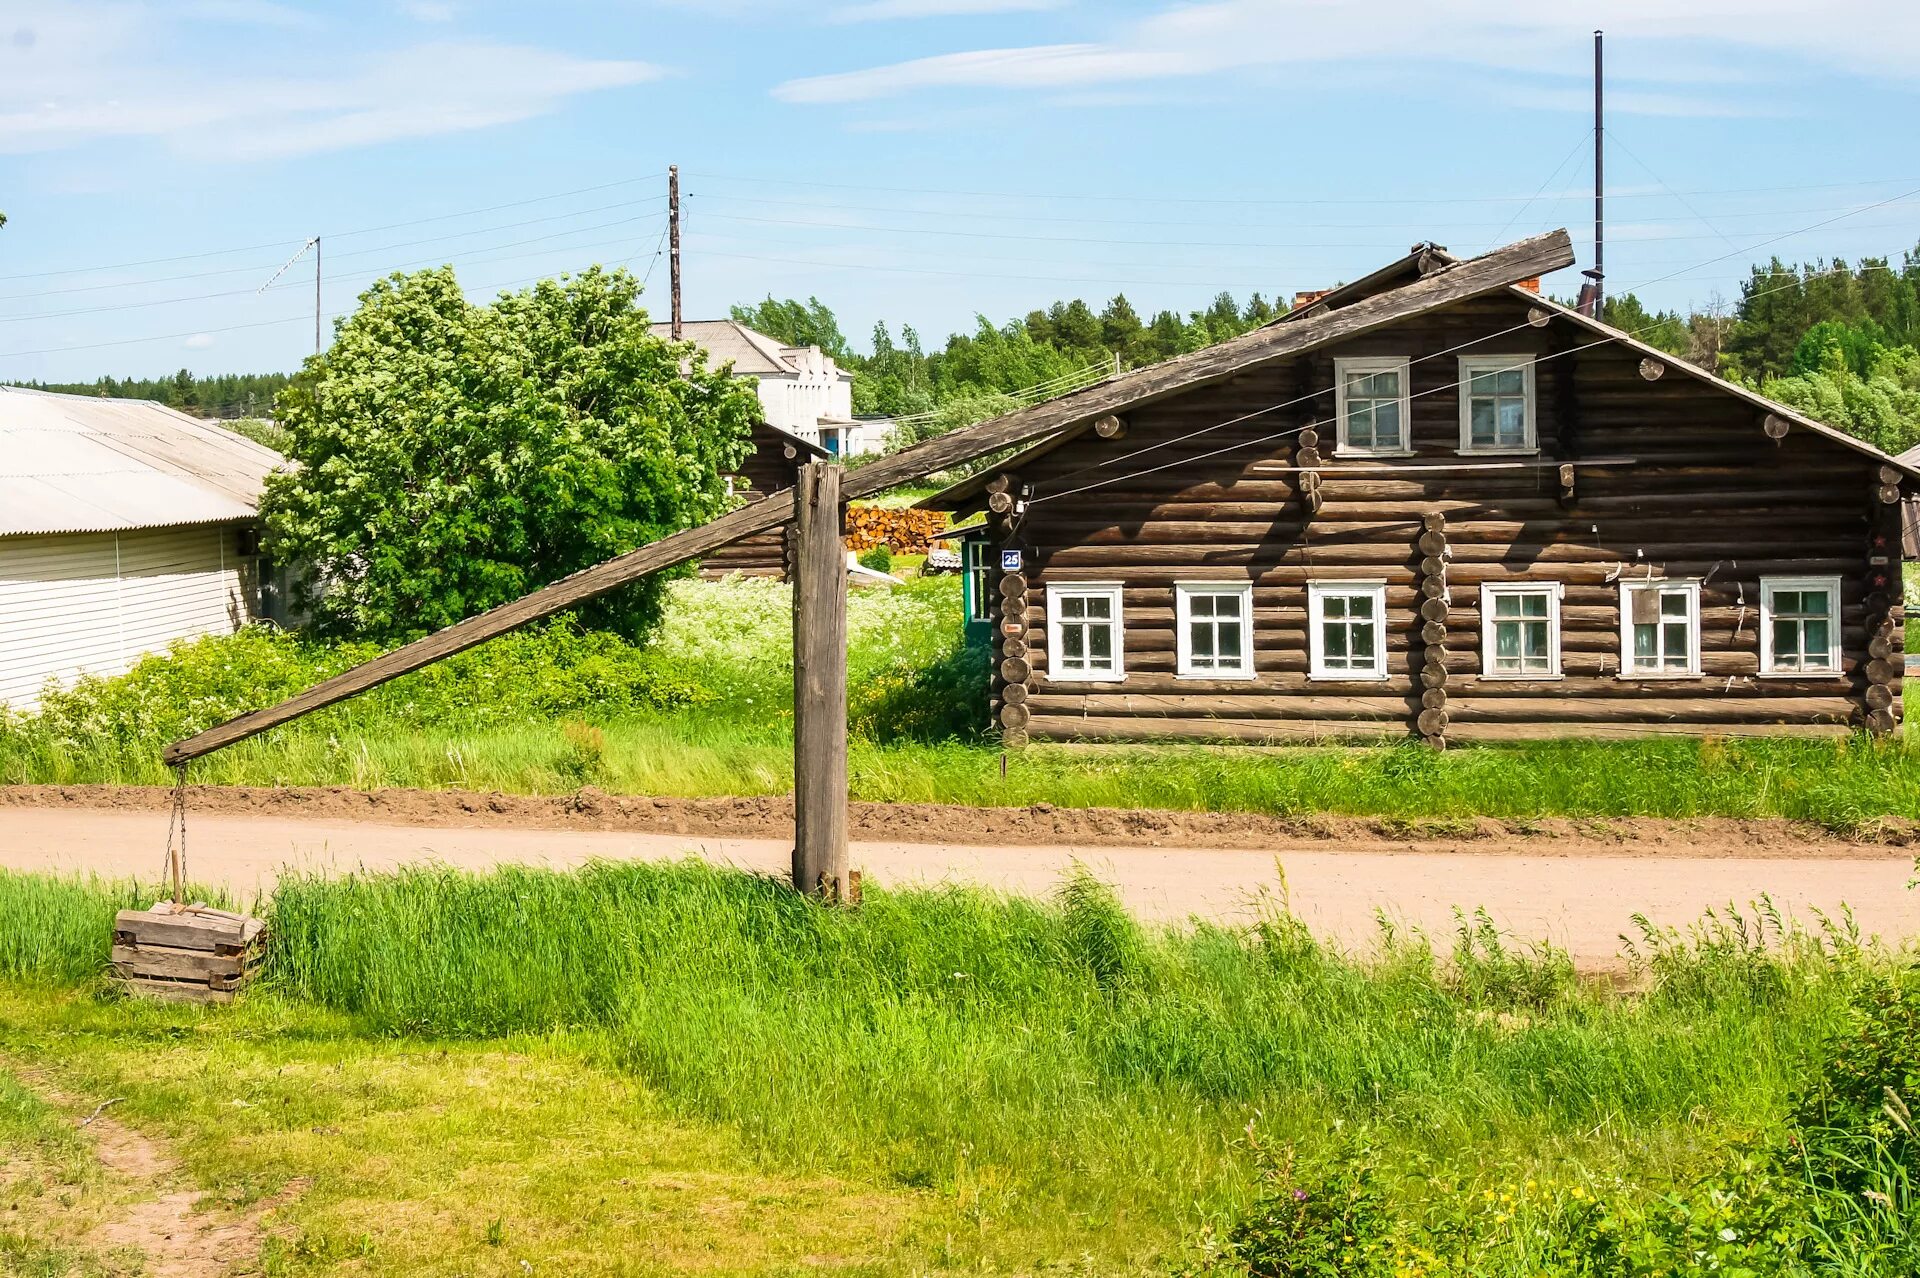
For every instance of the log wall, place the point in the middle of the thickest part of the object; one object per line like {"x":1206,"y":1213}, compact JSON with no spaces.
{"x":1671,"y":478}
{"x":771,"y":467}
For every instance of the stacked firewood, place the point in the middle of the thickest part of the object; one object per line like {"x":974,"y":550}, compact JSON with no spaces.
{"x":902,"y":530}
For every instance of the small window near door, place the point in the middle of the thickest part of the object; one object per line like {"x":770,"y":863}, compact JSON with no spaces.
{"x":1347,"y":629}
{"x":1520,"y":631}
{"x":1370,"y":401}
{"x":1799,"y":625}
{"x":975,"y":556}
{"x":1084,"y":633}
{"x":1216,"y":629}
{"x":1496,"y":404}
{"x":1660,"y":628}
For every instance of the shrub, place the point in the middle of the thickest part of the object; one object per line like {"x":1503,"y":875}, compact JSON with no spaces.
{"x":878,"y":558}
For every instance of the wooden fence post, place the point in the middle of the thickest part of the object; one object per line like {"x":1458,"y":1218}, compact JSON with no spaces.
{"x":819,"y":686}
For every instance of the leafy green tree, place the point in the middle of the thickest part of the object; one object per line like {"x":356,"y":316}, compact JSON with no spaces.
{"x":796,"y":323}
{"x":454,"y":456}
{"x":1665,"y":329}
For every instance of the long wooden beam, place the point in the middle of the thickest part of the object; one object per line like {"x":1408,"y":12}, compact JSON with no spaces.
{"x":1524,"y":259}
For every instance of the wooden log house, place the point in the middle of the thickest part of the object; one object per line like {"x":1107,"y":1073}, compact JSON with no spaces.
{"x":1490,"y":518}
{"x":771,"y":467}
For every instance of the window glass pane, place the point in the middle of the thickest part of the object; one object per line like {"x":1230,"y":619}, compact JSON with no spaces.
{"x":1201,"y":641}
{"x":1480,"y":382}
{"x":1510,"y":381}
{"x":1334,"y":606}
{"x":1534,"y":605}
{"x":1360,"y":605}
{"x":1072,"y":607}
{"x":1362,"y":643}
{"x":1386,"y":424}
{"x":1226,"y":605}
{"x":1230,"y":645}
{"x":1643,"y":637}
{"x":1100,"y":646}
{"x":1673,"y":603}
{"x":1786,"y":602}
{"x":1484,"y":421}
{"x":1513,"y":421}
{"x":1073,"y":646}
{"x":1506,"y":644}
{"x":1786,"y":642}
{"x":1099,"y":606}
{"x":1818,"y":648}
{"x":1335,"y":642}
{"x":1675,"y":641}
{"x":1536,"y":636}
{"x":1814,"y":603}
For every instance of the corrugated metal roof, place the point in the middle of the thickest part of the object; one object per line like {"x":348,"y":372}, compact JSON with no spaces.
{"x":76,"y":463}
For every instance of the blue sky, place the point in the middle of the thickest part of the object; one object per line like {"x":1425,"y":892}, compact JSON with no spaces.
{"x":914,"y":160}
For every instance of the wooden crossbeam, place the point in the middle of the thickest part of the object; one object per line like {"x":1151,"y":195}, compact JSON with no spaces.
{"x":1523,"y":259}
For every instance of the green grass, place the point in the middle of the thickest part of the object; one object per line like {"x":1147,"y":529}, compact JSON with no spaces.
{"x":1025,"y":1084}
{"x":706,"y":710}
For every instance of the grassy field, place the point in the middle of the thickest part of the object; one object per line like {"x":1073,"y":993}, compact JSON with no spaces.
{"x":706,"y":710}
{"x":463,"y":1072}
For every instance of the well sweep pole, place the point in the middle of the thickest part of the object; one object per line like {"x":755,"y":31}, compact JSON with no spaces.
{"x":819,"y":686}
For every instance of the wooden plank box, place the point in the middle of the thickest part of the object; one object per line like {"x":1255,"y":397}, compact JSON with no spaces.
{"x":190,"y":953}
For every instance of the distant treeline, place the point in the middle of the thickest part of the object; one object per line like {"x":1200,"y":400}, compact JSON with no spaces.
{"x":1839,"y":342}
{"x":227,"y":395}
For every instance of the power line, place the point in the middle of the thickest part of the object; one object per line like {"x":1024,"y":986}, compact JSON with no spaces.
{"x":364,"y":230}
{"x":1164,"y":199}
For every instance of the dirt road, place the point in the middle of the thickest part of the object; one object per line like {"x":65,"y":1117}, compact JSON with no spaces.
{"x":1579,"y":894}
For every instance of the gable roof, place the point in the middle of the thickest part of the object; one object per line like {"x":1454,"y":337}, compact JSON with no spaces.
{"x":751,"y":352}
{"x":1908,"y":462}
{"x":772,"y":434}
{"x":1320,"y":324}
{"x":79,"y":463}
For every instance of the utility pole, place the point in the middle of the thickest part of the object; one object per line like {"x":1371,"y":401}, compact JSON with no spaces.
{"x":673,"y":243}
{"x":1599,"y":272}
{"x":316,"y":296}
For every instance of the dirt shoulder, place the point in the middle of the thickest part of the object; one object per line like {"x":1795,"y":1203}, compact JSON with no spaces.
{"x":1041,"y":824}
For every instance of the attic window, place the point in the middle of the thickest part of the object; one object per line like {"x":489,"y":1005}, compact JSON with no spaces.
{"x":1496,"y":404}
{"x":1370,"y":400}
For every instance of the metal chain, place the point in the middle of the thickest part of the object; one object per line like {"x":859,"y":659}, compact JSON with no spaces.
{"x":179,"y":816}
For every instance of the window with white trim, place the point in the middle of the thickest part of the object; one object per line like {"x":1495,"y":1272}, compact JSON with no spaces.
{"x":1215,"y":620}
{"x":1370,"y":401}
{"x":1799,"y":625}
{"x":1659,"y":628}
{"x":1347,"y":636}
{"x":1084,"y":632}
{"x":1520,"y":630}
{"x":1497,"y":404}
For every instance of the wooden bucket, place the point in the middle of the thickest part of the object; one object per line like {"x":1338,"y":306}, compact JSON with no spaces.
{"x":190,"y":953}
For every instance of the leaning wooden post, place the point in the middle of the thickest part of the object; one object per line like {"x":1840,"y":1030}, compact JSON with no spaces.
{"x":819,"y":686}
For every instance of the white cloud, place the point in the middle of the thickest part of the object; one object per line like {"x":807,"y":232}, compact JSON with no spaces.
{"x":97,"y":71}
{"x":1229,"y":36}
{"x":888,"y":10}
{"x":199,"y":342}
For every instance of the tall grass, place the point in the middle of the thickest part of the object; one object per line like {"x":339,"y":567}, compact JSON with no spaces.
{"x":1048,"y":1056}
{"x":58,"y":929}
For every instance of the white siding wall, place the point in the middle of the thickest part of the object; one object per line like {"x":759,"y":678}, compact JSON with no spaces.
{"x":94,"y":603}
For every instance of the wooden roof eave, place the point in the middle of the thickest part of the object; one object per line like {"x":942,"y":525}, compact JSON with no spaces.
{"x":1523,"y":259}
{"x":1907,"y":463}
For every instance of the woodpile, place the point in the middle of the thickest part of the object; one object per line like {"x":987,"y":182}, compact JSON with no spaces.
{"x":188,"y":953}
{"x":1432,"y":720}
{"x":902,"y":530}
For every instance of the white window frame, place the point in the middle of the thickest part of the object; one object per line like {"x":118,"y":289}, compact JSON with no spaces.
{"x":1372,"y":364}
{"x":1471,"y":364}
{"x":1056,"y":591}
{"x":1184,"y":593}
{"x":1491,"y":591}
{"x":979,"y":576}
{"x":1318,"y":592}
{"x":1767,"y":587}
{"x":1691,"y":585}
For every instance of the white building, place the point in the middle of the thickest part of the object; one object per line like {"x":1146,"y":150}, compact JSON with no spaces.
{"x":802,"y":390}
{"x":124,"y":526}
